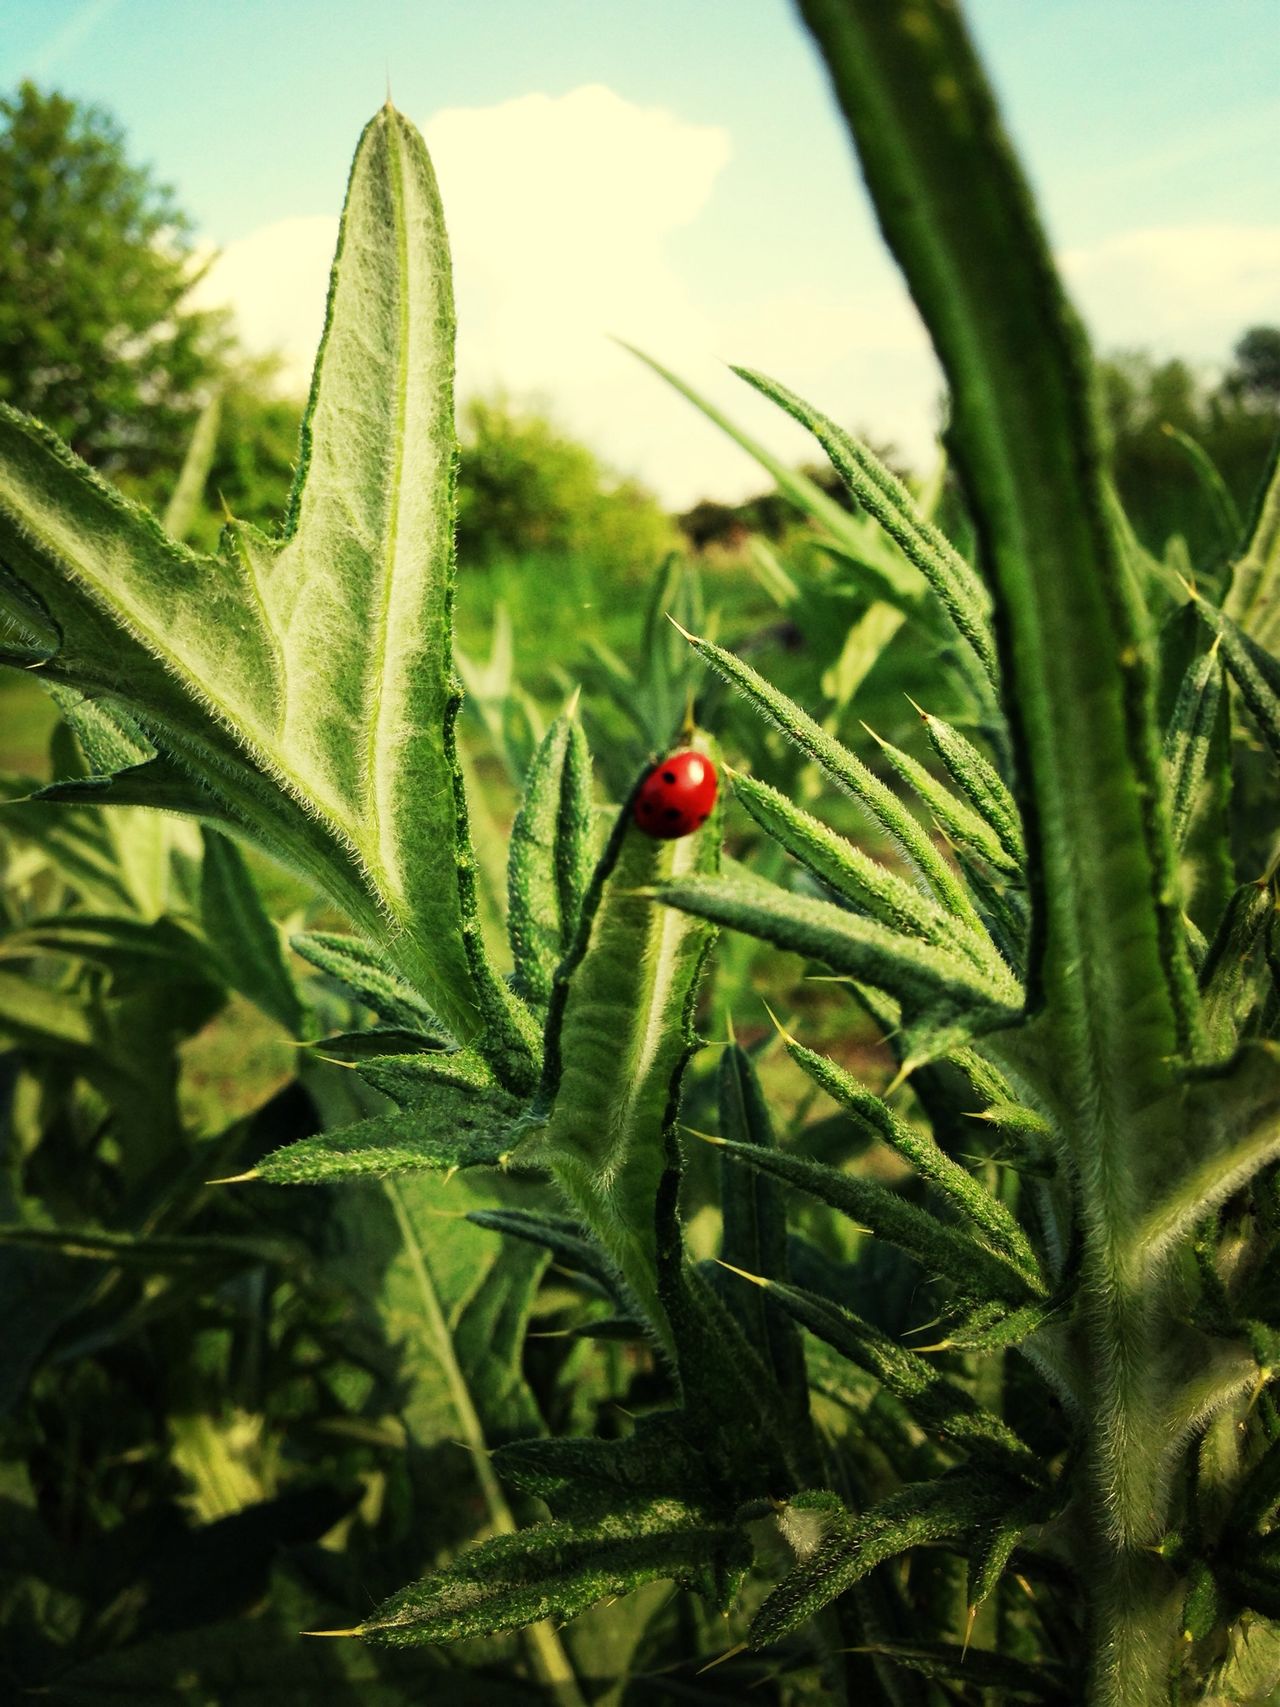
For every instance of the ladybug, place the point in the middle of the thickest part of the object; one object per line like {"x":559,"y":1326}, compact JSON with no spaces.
{"x":676,"y":797}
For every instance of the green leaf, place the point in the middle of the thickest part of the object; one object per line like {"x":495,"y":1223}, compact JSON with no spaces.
{"x":306,"y":685}
{"x":888,"y":577}
{"x":188,"y":495}
{"x":550,"y":859}
{"x":958,"y":587}
{"x":916,"y":1515}
{"x":931,"y":983}
{"x":964,"y":827}
{"x":361,"y":971}
{"x":938,"y":1405}
{"x":981,"y":784}
{"x":1188,"y":737}
{"x":554,"y":1571}
{"x":155,"y":1252}
{"x":618,"y":1036}
{"x":976,"y":1270}
{"x":1253,"y":600}
{"x":849,"y":773}
{"x":561,"y":1236}
{"x":966,"y":1195}
{"x":1256,"y":671}
{"x":246,"y":942}
{"x":457,"y":1129}
{"x":1215,"y":488}
{"x":980,"y":1668}
{"x":754,"y":1229}
{"x":1234,"y":970}
{"x":864,"y":882}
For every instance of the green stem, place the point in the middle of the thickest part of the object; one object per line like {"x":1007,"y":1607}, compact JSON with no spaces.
{"x":546,"y":1651}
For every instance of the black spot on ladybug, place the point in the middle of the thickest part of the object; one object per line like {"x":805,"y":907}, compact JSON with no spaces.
{"x":668,"y":776}
{"x":672,"y":812}
{"x":646,"y":806}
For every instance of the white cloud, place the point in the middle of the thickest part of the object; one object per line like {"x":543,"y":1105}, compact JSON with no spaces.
{"x":562,"y":214}
{"x":1181,"y":290}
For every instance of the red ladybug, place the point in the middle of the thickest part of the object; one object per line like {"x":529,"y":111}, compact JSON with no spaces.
{"x":677,"y":796}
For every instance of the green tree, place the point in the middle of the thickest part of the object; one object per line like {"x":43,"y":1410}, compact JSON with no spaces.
{"x":1234,"y":422}
{"x":96,"y":259}
{"x":524,"y":487}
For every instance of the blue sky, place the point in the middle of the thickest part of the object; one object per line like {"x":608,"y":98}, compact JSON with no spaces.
{"x":674,"y":172}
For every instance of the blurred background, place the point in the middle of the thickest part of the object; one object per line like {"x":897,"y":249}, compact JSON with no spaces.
{"x":218,"y":1410}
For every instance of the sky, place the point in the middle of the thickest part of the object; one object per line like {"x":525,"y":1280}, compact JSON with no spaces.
{"x":674,"y":173}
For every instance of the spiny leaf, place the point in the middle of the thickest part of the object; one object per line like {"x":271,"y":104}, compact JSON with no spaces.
{"x":981,"y":784}
{"x":883,"y":496}
{"x":1256,"y":671}
{"x":550,"y":858}
{"x":937,"y":1404}
{"x":915,"y":1515}
{"x":562,"y":1237}
{"x":155,"y":1251}
{"x":963,"y":826}
{"x":754,"y":1229}
{"x":930,"y":982}
{"x":849,"y":773}
{"x":361,"y":971}
{"x":184,"y":505}
{"x":304,"y":685}
{"x":925,"y":1155}
{"x":242,"y":935}
{"x":412,"y":1080}
{"x":976,"y":1270}
{"x":1234,"y":966}
{"x":1223,"y":505}
{"x":1253,"y":599}
{"x":618,"y":1036}
{"x":980,"y":1668}
{"x":556,"y":1570}
{"x":457,"y":1129}
{"x":1187,"y":739}
{"x":586,"y":1479}
{"x":888,"y":578}
{"x":871,"y":887}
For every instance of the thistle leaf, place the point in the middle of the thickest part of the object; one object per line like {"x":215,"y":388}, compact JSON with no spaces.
{"x":754,"y":1230}
{"x":980,"y":1668}
{"x":938,"y":1405}
{"x":556,"y":1570}
{"x":932,"y":984}
{"x":963,"y":826}
{"x":306,"y":685}
{"x":618,"y":1035}
{"x":918,"y":1514}
{"x":971,"y":1199}
{"x":242,"y":934}
{"x":976,"y":1270}
{"x":869,"y":886}
{"x":455,"y":1129}
{"x":1256,"y":671}
{"x":958,"y":587}
{"x":550,"y":858}
{"x":849,"y":773}
{"x":559,"y":1235}
{"x":980,"y":783}
{"x":361,"y":971}
{"x":1188,"y":737}
{"x":1253,"y":599}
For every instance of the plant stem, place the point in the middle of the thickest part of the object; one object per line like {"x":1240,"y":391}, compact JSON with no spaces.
{"x":546,"y":1651}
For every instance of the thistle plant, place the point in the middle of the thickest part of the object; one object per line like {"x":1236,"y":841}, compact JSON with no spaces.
{"x":1069,"y":1492}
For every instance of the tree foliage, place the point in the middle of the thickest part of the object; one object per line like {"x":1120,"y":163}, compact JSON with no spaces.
{"x":96,"y":259}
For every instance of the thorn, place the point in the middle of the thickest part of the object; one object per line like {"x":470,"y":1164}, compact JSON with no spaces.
{"x":450,"y":1172}
{"x":239,"y":1179}
{"x":942,"y":1345}
{"x":333,"y":1061}
{"x":691,"y":638}
{"x":1189,"y":586}
{"x":900,"y":1078}
{"x":781,"y":1029}
{"x":918,"y":709}
{"x":571,"y":704}
{"x":878,"y":739}
{"x":228,"y":515}
{"x":755,"y":1279}
{"x":707,"y":1137}
{"x":356,"y":1630}
{"x":968,"y":1632}
{"x":731,"y":1653}
{"x":728,"y":1025}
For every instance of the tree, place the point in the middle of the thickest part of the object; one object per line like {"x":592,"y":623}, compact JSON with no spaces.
{"x":526,"y":488}
{"x":1256,"y":374}
{"x":95,"y":261}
